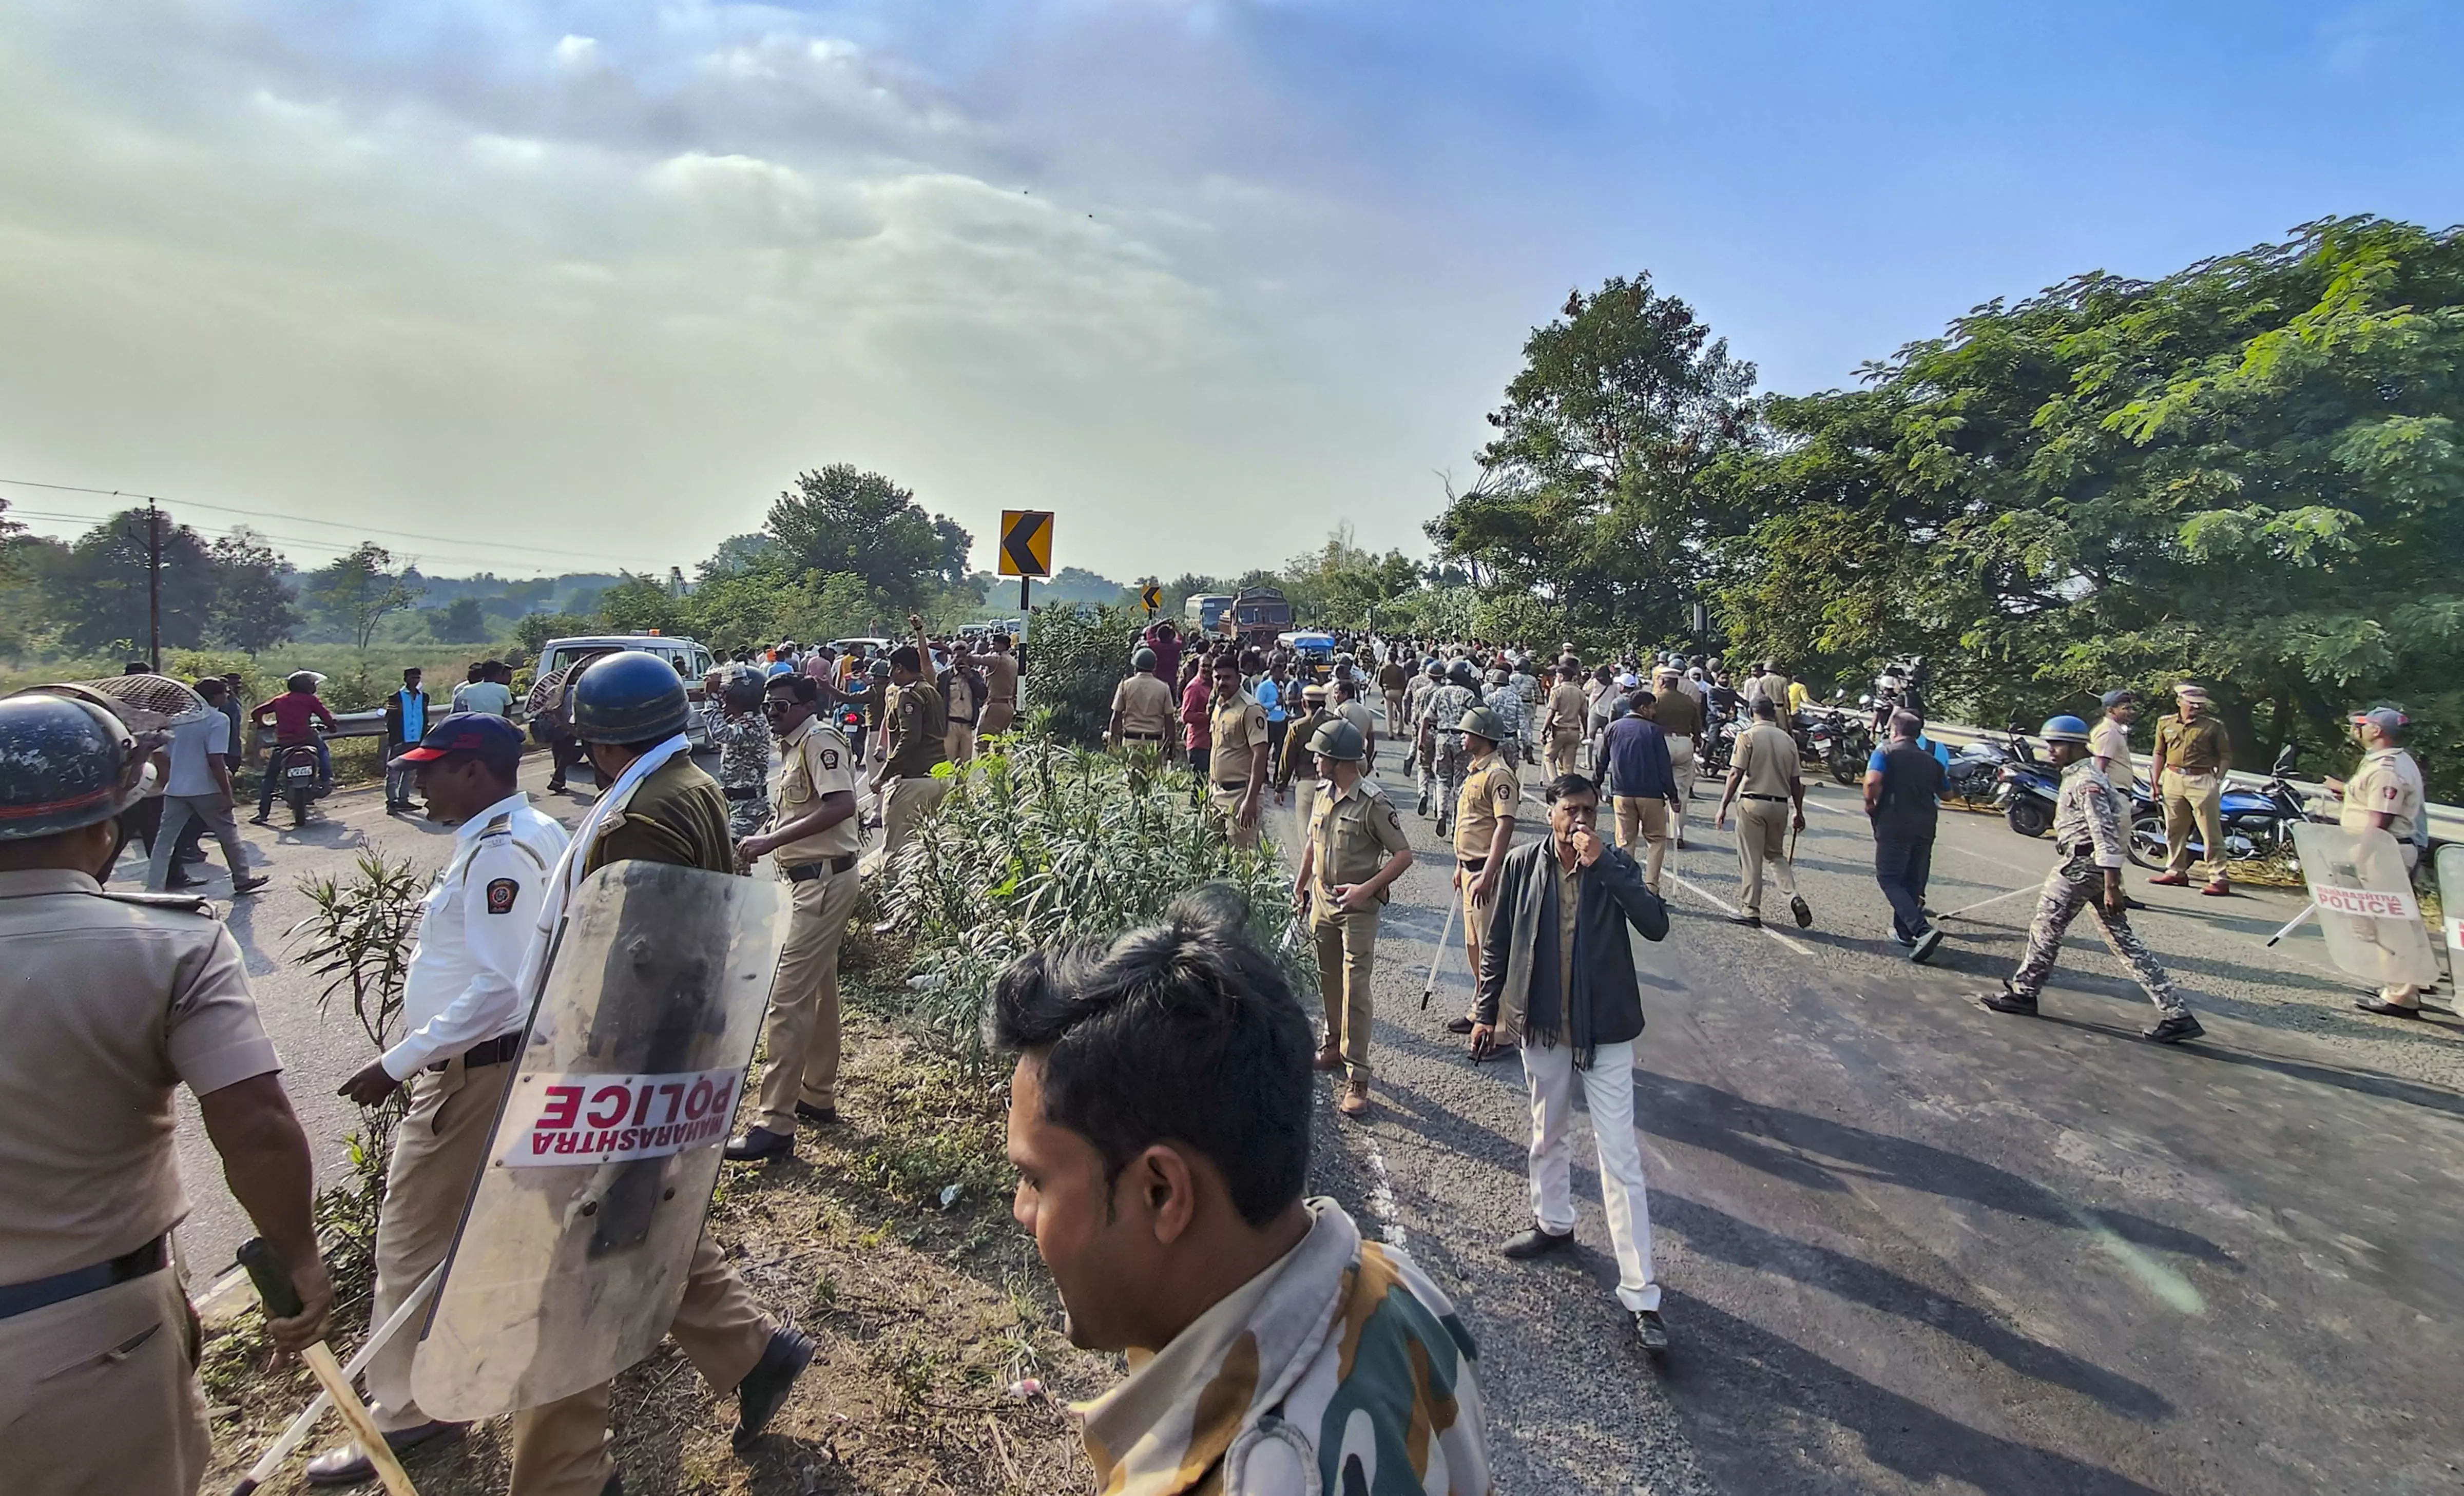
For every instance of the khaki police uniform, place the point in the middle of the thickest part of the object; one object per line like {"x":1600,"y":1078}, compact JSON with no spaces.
{"x":676,"y":815}
{"x":1679,"y":712}
{"x":112,"y":999}
{"x":1001,"y":691}
{"x":2387,"y":783}
{"x":1354,"y":832}
{"x":1766,"y":761}
{"x":1491,"y":793}
{"x":800,"y":1034}
{"x":1149,"y":711}
{"x":1561,"y":727}
{"x":1237,"y":730}
{"x":918,"y":734}
{"x":464,"y":1008}
{"x":2195,"y":753}
{"x":2109,"y":742}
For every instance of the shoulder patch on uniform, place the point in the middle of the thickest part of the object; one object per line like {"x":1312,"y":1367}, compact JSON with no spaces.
{"x":502,"y":823}
{"x":501,"y":892}
{"x":830,"y":757}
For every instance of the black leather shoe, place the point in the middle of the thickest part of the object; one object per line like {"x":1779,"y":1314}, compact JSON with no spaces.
{"x":1535,"y":1243}
{"x":2005,"y":1000}
{"x":1651,"y":1330}
{"x":173,"y":884}
{"x":1750,"y":921}
{"x":350,"y":1464}
{"x":250,"y":885}
{"x":765,"y":1387}
{"x":812,"y":1114}
{"x":2172,"y":1029}
{"x":1461,"y":1026}
{"x":756,"y":1144}
{"x":1803,"y":910}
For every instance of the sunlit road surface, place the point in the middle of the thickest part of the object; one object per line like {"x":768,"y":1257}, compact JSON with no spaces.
{"x":1909,"y":1245}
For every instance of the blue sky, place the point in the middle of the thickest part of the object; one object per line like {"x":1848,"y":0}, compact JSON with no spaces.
{"x":1206,"y":278}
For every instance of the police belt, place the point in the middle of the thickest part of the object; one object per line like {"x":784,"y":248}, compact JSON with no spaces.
{"x":741,"y":791}
{"x":20,"y":1298}
{"x":1230,"y":784}
{"x":807,"y":872}
{"x":1776,"y":800}
{"x":495,"y":1051}
{"x":1473,"y":864}
{"x":1143,"y":737}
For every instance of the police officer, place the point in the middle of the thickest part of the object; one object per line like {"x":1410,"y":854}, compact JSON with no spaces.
{"x":1298,"y":764}
{"x":1356,"y":848}
{"x":1445,"y":709}
{"x":2089,"y":838}
{"x":1144,"y":711}
{"x":2193,"y":752}
{"x":737,"y":727}
{"x":629,"y":710}
{"x":1485,"y":815}
{"x":919,"y":741}
{"x":464,"y":1010}
{"x":1563,"y":719}
{"x":2385,"y":793}
{"x":814,"y":847}
{"x":1678,"y":709}
{"x":1424,"y":742}
{"x":1236,"y":762}
{"x":1767,"y":785}
{"x":111,"y":1001}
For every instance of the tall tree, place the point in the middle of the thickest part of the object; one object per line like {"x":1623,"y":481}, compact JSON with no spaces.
{"x":358,"y":591}
{"x":462,"y":621}
{"x":98,"y":590}
{"x":843,"y":519}
{"x":1591,"y":495}
{"x":255,"y":607}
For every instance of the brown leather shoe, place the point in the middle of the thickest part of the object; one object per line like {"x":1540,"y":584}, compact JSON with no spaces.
{"x":2217,"y":888}
{"x":1328,"y":1059}
{"x":2171,"y":880}
{"x":1355,"y":1097}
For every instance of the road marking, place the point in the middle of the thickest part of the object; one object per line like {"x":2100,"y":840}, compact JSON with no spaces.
{"x":1701,"y":892}
{"x":1381,"y":1193}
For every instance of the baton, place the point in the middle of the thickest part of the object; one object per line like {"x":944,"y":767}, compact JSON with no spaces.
{"x":1429,"y":988}
{"x":297,"y":1432}
{"x":2295,"y":923}
{"x":281,"y":1301}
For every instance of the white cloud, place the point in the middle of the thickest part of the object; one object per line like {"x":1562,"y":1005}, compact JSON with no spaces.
{"x":575,"y":52}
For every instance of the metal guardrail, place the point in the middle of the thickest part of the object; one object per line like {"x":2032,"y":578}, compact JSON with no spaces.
{"x":2445,"y":822}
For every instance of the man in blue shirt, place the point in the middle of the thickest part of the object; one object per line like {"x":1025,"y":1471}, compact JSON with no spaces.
{"x":1641,"y":783}
{"x":1276,"y":693}
{"x":1902,"y":780}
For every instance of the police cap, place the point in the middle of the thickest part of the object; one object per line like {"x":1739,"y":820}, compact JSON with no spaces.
{"x":1337,"y":739}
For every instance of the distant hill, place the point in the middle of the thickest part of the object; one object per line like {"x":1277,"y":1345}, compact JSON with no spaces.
{"x":1072,"y":584}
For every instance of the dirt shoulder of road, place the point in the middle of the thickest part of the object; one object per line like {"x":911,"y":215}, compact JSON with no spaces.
{"x":927,"y":1317}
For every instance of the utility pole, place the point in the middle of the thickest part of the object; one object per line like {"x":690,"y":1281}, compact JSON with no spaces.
{"x":154,"y":585}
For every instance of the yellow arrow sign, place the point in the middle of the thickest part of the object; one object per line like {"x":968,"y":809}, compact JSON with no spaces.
{"x":1152,"y":596}
{"x":1027,"y":542}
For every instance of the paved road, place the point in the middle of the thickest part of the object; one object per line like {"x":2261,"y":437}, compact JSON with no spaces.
{"x":1912,"y":1247}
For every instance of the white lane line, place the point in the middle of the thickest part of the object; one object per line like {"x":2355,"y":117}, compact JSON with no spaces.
{"x":1382,"y":1193}
{"x":1724,"y":907}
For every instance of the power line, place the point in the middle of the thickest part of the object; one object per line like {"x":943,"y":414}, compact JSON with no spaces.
{"x":287,"y":539}
{"x":340,"y":524}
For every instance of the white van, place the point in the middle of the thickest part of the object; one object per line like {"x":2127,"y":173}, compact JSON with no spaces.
{"x":692,"y":660}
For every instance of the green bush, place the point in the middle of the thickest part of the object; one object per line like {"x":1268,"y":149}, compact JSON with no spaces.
{"x":1075,"y":658}
{"x":1045,"y":844}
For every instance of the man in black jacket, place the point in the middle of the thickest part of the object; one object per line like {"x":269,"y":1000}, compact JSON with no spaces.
{"x":1556,"y":977}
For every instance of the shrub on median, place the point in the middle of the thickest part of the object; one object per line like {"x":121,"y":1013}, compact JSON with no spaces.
{"x":1040,"y":843}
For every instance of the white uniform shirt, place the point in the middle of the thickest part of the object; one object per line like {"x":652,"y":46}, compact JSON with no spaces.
{"x":463,"y":987}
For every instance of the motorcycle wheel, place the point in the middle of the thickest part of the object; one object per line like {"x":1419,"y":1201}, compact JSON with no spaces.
{"x":1845,"y":766}
{"x":2028,"y":815}
{"x":2147,"y":847}
{"x":298,"y":799}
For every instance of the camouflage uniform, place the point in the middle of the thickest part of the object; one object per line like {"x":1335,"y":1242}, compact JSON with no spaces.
{"x":1343,"y":1369}
{"x":744,"y":744}
{"x":2088,"y":837}
{"x":1448,"y":760}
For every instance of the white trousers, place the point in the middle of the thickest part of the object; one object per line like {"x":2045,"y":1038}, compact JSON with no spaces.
{"x":1549,"y":1073}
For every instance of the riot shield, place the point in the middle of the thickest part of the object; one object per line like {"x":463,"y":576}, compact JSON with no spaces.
{"x":2365,"y":905}
{"x":572,"y":1253}
{"x":2450,"y":897}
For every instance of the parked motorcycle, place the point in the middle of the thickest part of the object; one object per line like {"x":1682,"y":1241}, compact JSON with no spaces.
{"x":2026,"y":787}
{"x":1835,"y":737}
{"x":1897,"y":686}
{"x":2257,"y":823}
{"x":1974,"y":775}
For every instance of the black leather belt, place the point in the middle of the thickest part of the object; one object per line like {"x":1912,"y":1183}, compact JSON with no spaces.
{"x":1473,"y":864}
{"x":741,"y":791}
{"x":1776,"y":800}
{"x":495,"y":1051}
{"x":1143,"y":737}
{"x":1232,"y":785}
{"x":20,"y":1298}
{"x":807,"y":872}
